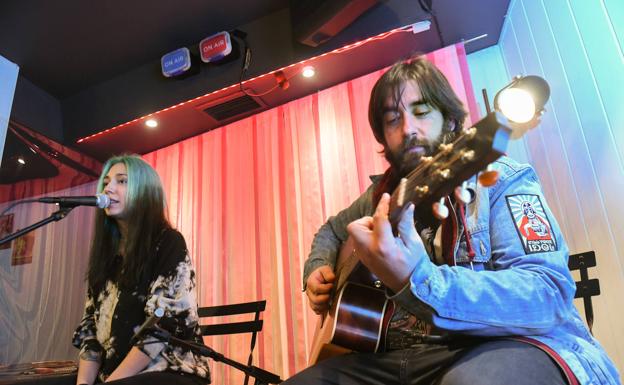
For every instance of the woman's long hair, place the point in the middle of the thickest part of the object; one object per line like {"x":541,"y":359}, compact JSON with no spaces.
{"x":146,"y":218}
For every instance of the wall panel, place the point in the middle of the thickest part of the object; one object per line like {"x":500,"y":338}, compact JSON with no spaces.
{"x":578,"y":150}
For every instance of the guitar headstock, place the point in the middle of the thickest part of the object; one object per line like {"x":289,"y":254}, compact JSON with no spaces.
{"x":437,"y":176}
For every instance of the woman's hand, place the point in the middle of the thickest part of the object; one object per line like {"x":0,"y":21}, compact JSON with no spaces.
{"x":87,"y":372}
{"x":134,"y":362}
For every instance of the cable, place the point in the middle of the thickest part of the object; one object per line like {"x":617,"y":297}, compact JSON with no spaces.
{"x":426,"y":6}
{"x":246,"y":63}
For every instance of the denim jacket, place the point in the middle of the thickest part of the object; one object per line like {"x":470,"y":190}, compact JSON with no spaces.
{"x":518,"y":284}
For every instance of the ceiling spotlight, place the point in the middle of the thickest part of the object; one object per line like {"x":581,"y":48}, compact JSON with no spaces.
{"x":21,"y":160}
{"x":308,"y":71}
{"x":522,"y":99}
{"x":151,"y":123}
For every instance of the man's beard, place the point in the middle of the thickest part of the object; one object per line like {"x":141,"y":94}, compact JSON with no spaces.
{"x":409,"y":155}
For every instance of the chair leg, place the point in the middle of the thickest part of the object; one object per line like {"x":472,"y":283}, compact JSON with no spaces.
{"x":589,"y":313}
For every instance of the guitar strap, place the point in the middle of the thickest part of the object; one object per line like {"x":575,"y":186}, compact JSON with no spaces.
{"x":450,"y":228}
{"x":388,"y":183}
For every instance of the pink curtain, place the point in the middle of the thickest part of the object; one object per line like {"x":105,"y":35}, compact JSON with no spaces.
{"x":249,"y":197}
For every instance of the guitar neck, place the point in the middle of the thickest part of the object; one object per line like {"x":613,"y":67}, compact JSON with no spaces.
{"x":437,"y":176}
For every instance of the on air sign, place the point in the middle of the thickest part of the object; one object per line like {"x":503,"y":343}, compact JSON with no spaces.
{"x":175,"y":62}
{"x":215,"y":47}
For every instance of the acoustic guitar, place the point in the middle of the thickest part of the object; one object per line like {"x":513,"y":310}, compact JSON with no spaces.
{"x":359,"y":314}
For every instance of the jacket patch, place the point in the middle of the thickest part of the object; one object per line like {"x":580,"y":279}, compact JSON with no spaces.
{"x":532,"y":223}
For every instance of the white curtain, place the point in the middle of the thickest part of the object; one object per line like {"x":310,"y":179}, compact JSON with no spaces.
{"x":41,"y":302}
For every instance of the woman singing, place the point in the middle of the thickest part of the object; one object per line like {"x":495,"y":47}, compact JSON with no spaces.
{"x":138,"y":263}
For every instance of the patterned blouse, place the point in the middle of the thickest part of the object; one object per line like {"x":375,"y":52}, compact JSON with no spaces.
{"x":113,"y":316}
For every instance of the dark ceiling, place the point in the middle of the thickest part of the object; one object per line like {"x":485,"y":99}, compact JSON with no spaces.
{"x":97,"y":63}
{"x":69,"y":45}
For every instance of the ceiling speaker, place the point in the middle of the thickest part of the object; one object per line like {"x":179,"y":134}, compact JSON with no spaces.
{"x":316,"y":21}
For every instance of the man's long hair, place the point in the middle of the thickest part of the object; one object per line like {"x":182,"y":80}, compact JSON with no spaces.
{"x":435,"y":90}
{"x":146,"y":217}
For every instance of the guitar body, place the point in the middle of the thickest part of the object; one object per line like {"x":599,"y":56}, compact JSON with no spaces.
{"x":359,"y":315}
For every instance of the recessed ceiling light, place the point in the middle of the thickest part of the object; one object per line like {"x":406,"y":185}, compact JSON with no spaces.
{"x":21,"y":160}
{"x":308,"y":71}
{"x":151,"y":123}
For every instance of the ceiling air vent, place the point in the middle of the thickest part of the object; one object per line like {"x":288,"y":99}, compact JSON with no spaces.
{"x":233,"y":106}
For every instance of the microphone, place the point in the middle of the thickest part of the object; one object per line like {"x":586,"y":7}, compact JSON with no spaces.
{"x":149,"y":323}
{"x":100,"y":200}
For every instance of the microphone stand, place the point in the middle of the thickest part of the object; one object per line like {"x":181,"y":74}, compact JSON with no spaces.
{"x":262,"y":377}
{"x":54,"y":217}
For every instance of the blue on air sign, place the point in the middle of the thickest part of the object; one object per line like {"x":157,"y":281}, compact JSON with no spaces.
{"x":176,"y":62}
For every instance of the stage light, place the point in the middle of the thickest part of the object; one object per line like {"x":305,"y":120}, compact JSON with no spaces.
{"x":308,"y":71}
{"x":517,"y":105}
{"x":282,"y":80}
{"x":151,"y":123}
{"x":21,"y":160}
{"x":522,"y":99}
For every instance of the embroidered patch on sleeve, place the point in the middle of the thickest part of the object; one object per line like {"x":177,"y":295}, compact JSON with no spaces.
{"x":532,"y":223}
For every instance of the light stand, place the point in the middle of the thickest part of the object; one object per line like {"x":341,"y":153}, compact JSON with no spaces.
{"x":262,"y":377}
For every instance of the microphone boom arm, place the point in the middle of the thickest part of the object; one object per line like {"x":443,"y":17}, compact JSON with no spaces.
{"x":262,"y":376}
{"x":54,"y":217}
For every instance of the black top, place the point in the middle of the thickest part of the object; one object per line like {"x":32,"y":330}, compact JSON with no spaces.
{"x":113,"y":315}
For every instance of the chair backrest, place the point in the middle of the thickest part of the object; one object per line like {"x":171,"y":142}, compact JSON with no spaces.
{"x":252,"y":327}
{"x":585,"y":288}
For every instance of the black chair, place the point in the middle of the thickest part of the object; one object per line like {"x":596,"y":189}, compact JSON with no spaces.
{"x":252,"y":327}
{"x":585,"y":288}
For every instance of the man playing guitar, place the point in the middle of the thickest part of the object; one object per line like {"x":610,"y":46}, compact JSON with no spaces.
{"x":475,"y":301}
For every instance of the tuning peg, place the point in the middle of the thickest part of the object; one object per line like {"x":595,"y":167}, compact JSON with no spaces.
{"x":462,"y":194}
{"x":421,"y":191}
{"x":445,"y":147}
{"x":425,"y":160}
{"x":442,"y":174}
{"x":440,"y":210}
{"x":470,"y":132}
{"x":489,"y":177}
{"x":467,"y":155}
